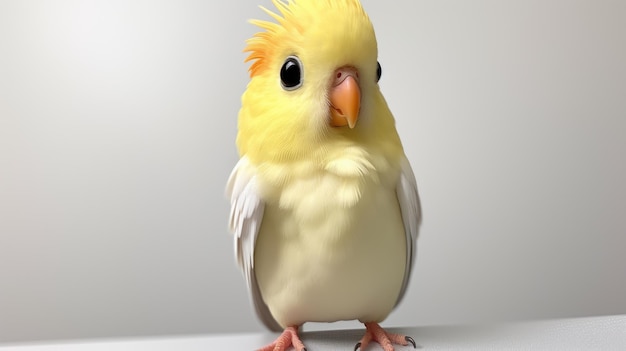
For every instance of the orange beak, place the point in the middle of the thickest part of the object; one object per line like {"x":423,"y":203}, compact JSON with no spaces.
{"x":345,"y":98}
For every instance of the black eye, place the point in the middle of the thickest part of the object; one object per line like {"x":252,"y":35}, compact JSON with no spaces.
{"x":379,"y":71}
{"x":291,"y":73}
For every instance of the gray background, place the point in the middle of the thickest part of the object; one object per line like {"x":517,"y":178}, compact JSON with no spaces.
{"x":117,"y":128}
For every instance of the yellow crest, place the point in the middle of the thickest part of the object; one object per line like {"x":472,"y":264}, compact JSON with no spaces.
{"x":292,"y":19}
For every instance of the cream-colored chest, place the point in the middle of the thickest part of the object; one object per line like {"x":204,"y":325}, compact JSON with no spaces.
{"x":324,"y":235}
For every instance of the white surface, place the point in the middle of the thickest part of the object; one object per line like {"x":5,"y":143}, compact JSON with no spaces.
{"x":593,"y":333}
{"x":117,"y":129}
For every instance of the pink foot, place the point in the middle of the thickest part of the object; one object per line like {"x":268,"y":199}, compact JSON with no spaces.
{"x":288,"y":338}
{"x":386,"y":340}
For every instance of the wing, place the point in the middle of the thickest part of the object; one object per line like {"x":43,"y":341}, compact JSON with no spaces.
{"x":410,"y":209}
{"x":246,"y":215}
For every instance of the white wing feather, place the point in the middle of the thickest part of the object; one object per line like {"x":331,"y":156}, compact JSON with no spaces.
{"x":410,"y":209}
{"x":246,"y":215}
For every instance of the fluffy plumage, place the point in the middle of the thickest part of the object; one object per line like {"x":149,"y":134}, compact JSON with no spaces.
{"x":325,"y":217}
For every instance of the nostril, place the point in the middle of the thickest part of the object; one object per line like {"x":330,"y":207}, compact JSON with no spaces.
{"x":338,"y":74}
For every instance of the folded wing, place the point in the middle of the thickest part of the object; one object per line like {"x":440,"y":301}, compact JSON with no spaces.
{"x":246,"y":215}
{"x":410,"y":209}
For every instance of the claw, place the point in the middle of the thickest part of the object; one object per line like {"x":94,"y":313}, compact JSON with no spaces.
{"x":410,"y":339}
{"x":356,"y":347}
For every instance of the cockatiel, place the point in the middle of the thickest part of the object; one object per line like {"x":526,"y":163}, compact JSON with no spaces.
{"x":324,"y":203}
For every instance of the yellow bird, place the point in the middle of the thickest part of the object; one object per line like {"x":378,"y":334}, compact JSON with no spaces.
{"x":324,"y":204}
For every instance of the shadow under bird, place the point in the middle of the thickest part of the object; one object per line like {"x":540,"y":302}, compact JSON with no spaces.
{"x":324,"y":204}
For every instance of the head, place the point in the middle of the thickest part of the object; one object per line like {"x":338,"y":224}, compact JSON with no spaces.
{"x":314,"y":80}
